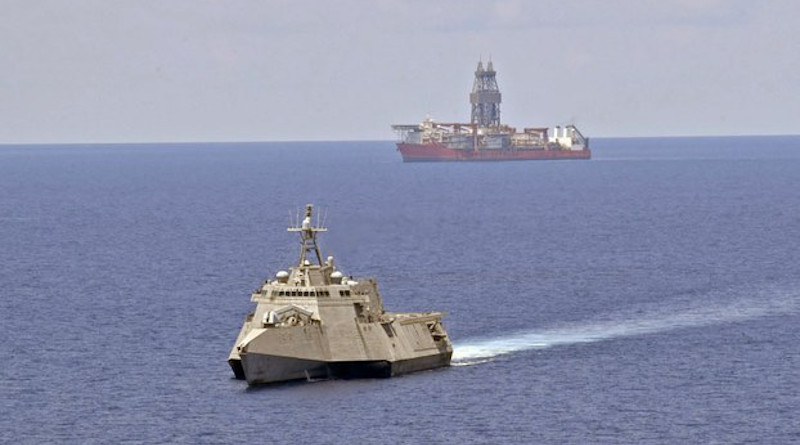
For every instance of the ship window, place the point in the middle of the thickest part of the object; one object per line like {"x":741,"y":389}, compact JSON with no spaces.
{"x":313,"y":294}
{"x":305,"y":294}
{"x":294,"y":293}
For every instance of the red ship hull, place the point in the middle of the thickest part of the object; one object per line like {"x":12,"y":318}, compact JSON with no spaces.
{"x":440,"y":152}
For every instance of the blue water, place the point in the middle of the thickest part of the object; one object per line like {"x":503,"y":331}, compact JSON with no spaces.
{"x":650,"y":295}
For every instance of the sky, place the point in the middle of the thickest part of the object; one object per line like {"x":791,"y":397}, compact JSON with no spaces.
{"x":78,"y":71}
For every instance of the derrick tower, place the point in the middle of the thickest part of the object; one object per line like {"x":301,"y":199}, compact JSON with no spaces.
{"x":485,"y":97}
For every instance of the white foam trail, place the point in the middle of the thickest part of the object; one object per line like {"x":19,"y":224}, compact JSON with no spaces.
{"x":465,"y":362}
{"x":472,"y":350}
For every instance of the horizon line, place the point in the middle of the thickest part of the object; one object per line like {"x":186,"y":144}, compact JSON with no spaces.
{"x":274,"y":141}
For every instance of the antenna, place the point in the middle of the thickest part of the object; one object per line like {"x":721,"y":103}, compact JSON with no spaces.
{"x":308,"y":236}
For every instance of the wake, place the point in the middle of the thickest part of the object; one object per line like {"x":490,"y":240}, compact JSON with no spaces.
{"x":654,"y":320}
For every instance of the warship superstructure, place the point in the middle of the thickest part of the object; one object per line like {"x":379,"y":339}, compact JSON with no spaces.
{"x":314,"y":321}
{"x":484,"y":138}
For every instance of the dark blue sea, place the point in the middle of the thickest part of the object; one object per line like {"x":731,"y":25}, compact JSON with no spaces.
{"x":650,"y":295}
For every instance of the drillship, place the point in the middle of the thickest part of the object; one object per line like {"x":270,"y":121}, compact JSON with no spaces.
{"x":484,"y":138}
{"x":315,"y":322}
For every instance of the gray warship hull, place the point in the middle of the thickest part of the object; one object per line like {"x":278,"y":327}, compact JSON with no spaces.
{"x":259,"y":369}
{"x":403,"y":343}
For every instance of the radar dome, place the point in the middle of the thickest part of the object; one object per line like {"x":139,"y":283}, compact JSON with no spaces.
{"x":282,"y":276}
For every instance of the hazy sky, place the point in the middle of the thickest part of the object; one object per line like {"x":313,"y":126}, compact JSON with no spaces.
{"x":180,"y":70}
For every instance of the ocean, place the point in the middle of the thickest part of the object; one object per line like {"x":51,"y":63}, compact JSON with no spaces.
{"x":649,"y":295}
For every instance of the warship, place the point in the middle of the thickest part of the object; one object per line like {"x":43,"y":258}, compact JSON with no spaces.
{"x":314,"y":321}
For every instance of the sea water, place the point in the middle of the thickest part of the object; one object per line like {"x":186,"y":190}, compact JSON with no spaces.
{"x":649,"y":295}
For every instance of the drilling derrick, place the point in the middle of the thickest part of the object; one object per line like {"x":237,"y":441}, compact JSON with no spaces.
{"x":485,"y":97}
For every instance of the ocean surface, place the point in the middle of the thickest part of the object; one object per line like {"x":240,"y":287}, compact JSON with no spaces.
{"x":650,"y":295}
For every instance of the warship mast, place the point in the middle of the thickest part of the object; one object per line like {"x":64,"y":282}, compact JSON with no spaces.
{"x":308,"y":237}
